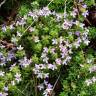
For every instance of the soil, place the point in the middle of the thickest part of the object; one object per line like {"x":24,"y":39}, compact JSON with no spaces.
{"x":91,"y":17}
{"x":8,"y":14}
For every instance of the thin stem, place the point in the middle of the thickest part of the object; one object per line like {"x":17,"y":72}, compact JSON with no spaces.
{"x":65,"y":9}
{"x":55,"y":84}
{"x":28,"y":27}
{"x":35,"y":85}
{"x":26,"y":87}
{"x":21,"y":92}
{"x":50,"y":2}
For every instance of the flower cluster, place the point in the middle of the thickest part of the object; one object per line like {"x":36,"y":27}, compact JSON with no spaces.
{"x":92,"y":69}
{"x":90,"y":81}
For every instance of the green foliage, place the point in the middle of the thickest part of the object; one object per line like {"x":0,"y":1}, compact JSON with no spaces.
{"x":31,"y":58}
{"x":92,"y":33}
{"x":23,"y":10}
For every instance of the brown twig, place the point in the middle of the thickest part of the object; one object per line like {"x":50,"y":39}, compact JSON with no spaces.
{"x":6,"y":44}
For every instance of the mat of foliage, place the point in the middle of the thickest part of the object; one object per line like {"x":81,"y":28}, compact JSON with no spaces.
{"x":48,"y":50}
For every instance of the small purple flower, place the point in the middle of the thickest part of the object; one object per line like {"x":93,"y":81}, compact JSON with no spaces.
{"x":33,"y":14}
{"x":18,"y":77}
{"x":64,"y":62}
{"x":49,"y":86}
{"x":52,"y":66}
{"x":54,"y":41}
{"x":58,"y":61}
{"x":25,"y":62}
{"x":22,"y":22}
{"x":84,"y":6}
{"x":67,"y":24}
{"x":52,"y":50}
{"x":5,"y":88}
{"x":64,"y":50}
{"x":12,"y":66}
{"x":74,"y":12}
{"x":36,"y":66}
{"x":45,"y":49}
{"x":10,"y":56}
{"x":44,"y":12}
{"x":4,"y":28}
{"x":1,"y":94}
{"x":86,"y":13}
{"x":11,"y":27}
{"x":1,"y":56}
{"x":77,"y":33}
{"x":92,"y":69}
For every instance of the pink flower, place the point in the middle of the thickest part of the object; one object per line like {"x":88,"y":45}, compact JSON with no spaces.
{"x":58,"y":61}
{"x":74,"y":12}
{"x":64,"y":49}
{"x":31,"y":29}
{"x":52,"y":66}
{"x":33,"y":14}
{"x":52,"y":50}
{"x":44,"y":12}
{"x":67,"y":24}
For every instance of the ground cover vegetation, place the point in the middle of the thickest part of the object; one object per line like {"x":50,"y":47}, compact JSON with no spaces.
{"x":47,"y":48}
